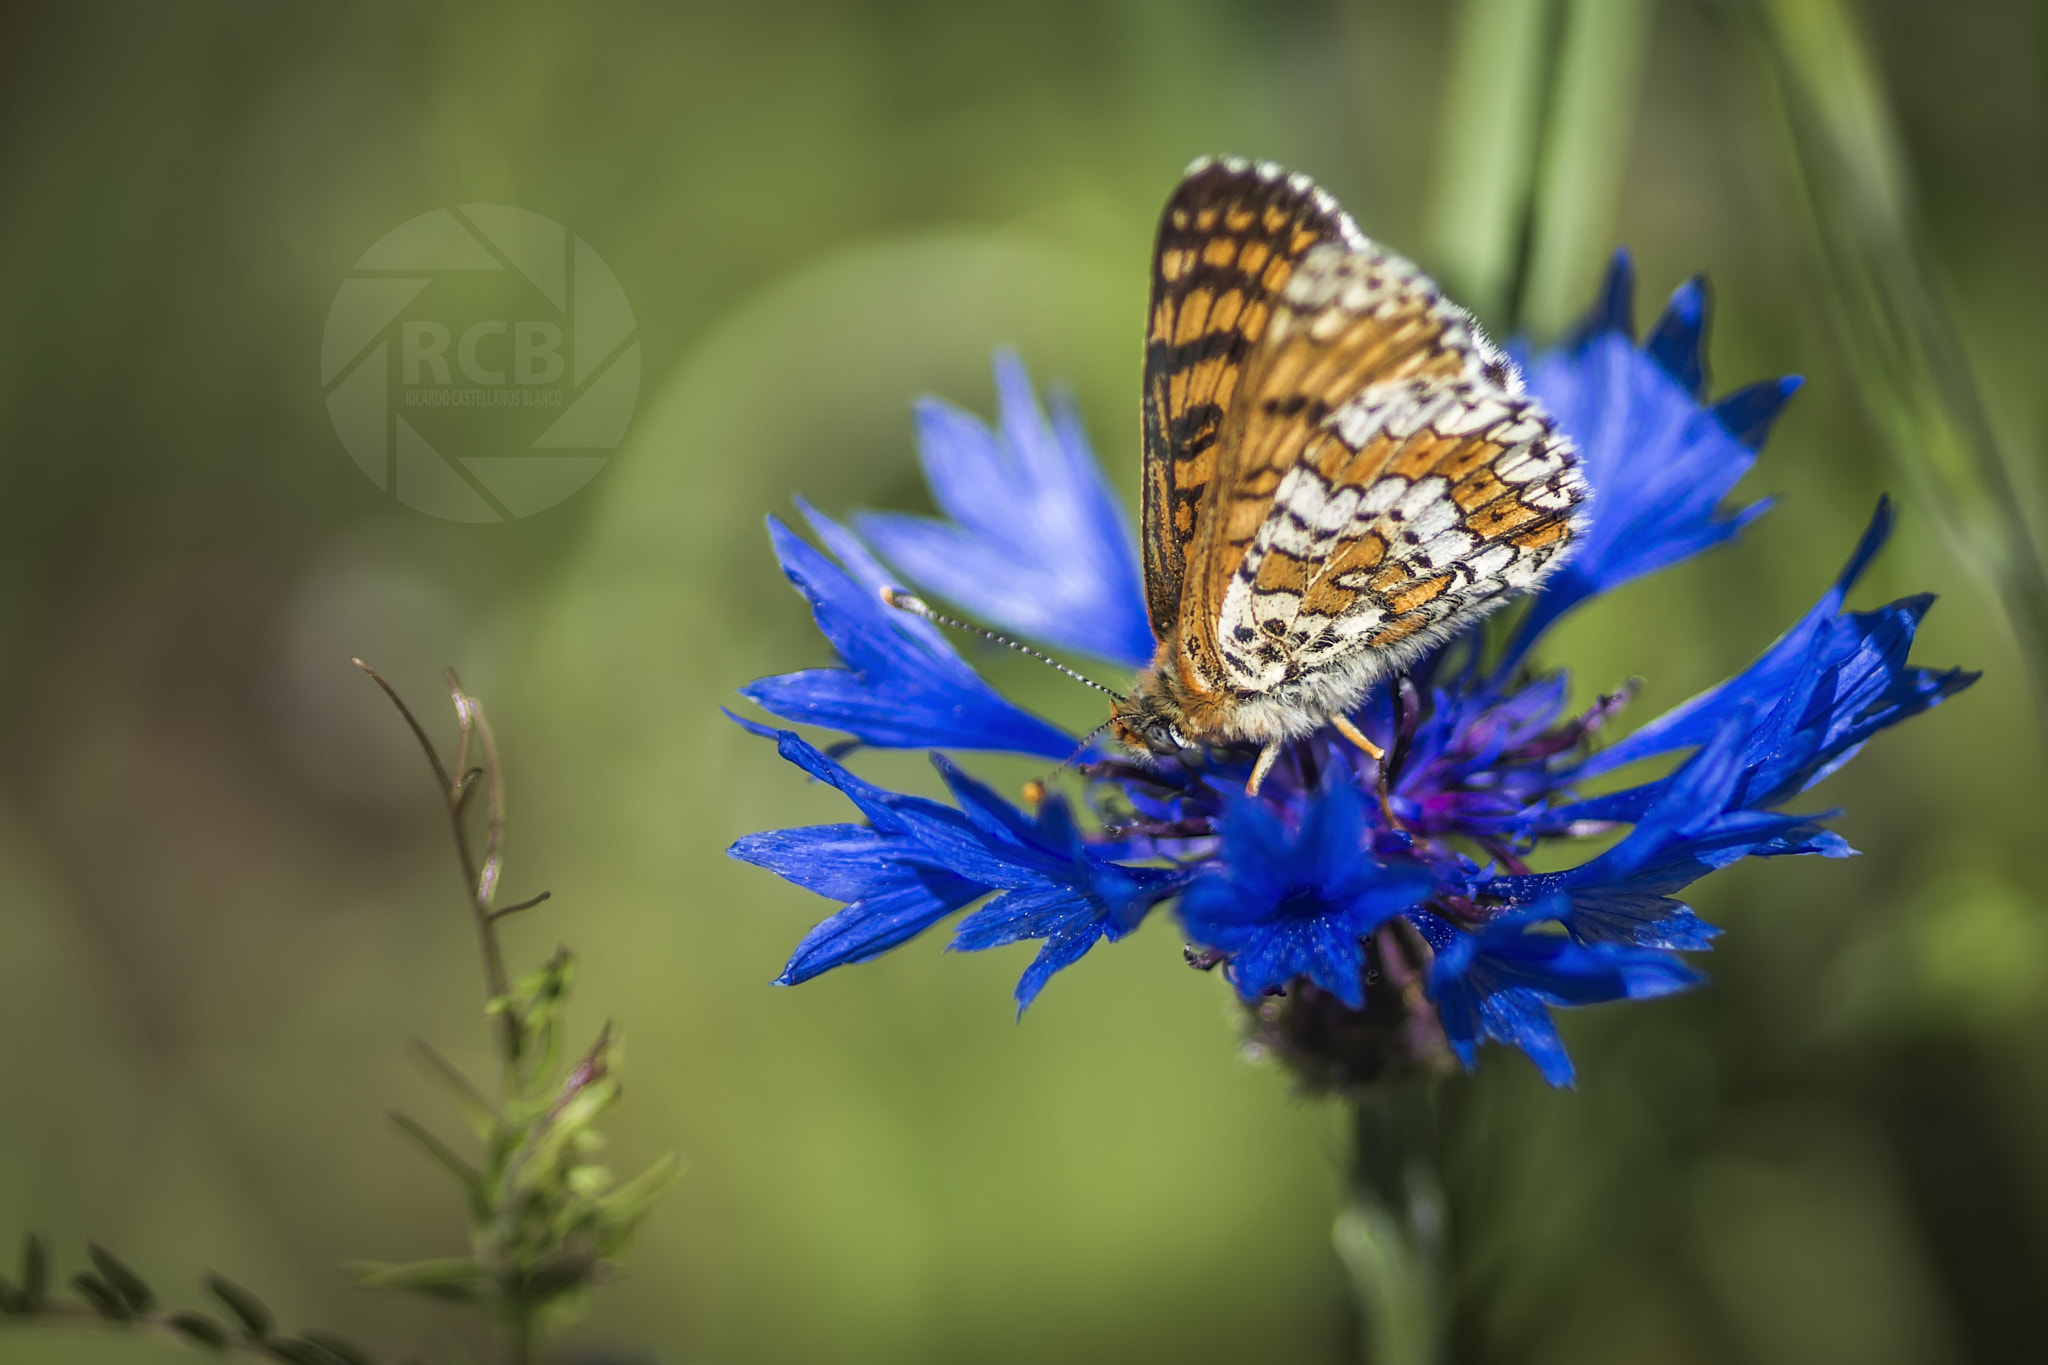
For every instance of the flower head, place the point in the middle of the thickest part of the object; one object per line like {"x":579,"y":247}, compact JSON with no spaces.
{"x":1300,"y":901}
{"x":1374,"y":915}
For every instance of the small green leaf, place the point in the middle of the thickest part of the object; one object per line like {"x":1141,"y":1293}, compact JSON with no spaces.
{"x":343,"y":1350}
{"x":457,"y":1279}
{"x":200,"y":1329}
{"x":621,"y":1212}
{"x":35,"y":1273}
{"x":443,"y":1155}
{"x":101,"y":1296}
{"x":588,"y":1182}
{"x":476,"y":1110}
{"x":245,"y":1308}
{"x":130,"y":1286}
{"x":582,"y":1109}
{"x":563,"y":1273}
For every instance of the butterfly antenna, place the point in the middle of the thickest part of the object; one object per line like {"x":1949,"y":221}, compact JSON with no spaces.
{"x":1034,"y":790}
{"x":903,"y":601}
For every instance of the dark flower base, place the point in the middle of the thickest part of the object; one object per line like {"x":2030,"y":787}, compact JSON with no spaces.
{"x":1333,"y":1049}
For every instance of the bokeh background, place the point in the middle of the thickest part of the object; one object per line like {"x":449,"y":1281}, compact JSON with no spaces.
{"x":226,"y":895}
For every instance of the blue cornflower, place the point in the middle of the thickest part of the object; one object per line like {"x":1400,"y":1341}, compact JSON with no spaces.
{"x":1285,"y":902}
{"x":1374,"y":916}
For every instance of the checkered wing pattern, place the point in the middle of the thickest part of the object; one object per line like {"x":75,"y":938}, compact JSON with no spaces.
{"x":1378,"y":478}
{"x":1229,"y":242}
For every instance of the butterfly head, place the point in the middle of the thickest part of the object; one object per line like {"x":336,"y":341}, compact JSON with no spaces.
{"x":1151,"y":720}
{"x":1147,"y":730}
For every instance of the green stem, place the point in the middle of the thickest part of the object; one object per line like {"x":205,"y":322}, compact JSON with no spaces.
{"x":1589,"y":119}
{"x":1489,"y":142}
{"x":1391,"y":1232}
{"x":1539,"y":107}
{"x":479,"y":883}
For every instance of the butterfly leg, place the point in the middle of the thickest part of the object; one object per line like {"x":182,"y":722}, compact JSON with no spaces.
{"x":1343,"y":726}
{"x":1268,"y":756}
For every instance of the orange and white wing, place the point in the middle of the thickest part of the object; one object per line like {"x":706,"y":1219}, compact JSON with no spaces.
{"x":1229,"y":241}
{"x":1383,"y":482}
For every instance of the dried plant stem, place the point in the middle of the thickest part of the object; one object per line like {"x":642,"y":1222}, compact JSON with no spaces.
{"x":479,"y":879}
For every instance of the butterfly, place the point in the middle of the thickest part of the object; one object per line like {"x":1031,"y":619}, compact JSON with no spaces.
{"x":1340,"y":470}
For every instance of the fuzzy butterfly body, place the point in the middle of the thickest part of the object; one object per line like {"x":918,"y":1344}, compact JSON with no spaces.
{"x":1340,"y":470}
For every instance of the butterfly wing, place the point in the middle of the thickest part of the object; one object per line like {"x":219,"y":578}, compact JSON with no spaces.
{"x":1229,"y":242}
{"x":1380,"y":480}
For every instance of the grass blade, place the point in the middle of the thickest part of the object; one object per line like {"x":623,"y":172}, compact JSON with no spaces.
{"x":1887,"y":306}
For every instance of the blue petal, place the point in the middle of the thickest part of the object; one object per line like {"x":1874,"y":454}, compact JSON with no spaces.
{"x":862,"y":566}
{"x":1004,"y":825}
{"x":1693,"y":824}
{"x":1284,"y":905}
{"x":887,"y":918}
{"x":1614,"y":309}
{"x":918,"y":861}
{"x":1678,"y":341}
{"x":1689,"y":723}
{"x":1325,"y":950}
{"x":1825,"y":687}
{"x":902,"y":686}
{"x":1062,"y":950}
{"x":1501,"y":983}
{"x":1035,"y":542}
{"x":1659,"y":461}
{"x":1037,"y":911}
{"x":844,"y":862}
{"x":1103,"y":900}
{"x":1639,"y":918}
{"x":1748,"y":414}
{"x":1332,"y":842}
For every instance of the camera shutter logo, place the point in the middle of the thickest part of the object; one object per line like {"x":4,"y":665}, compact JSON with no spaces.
{"x":473,"y":395}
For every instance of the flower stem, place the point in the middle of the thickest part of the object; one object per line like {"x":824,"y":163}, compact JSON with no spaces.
{"x":1532,"y":143}
{"x":1390,"y":1234}
{"x":1588,"y":121}
{"x":525,"y":1341}
{"x":1489,"y":142}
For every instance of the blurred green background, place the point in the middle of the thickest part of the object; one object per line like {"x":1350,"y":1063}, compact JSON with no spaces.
{"x":227,"y":898}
